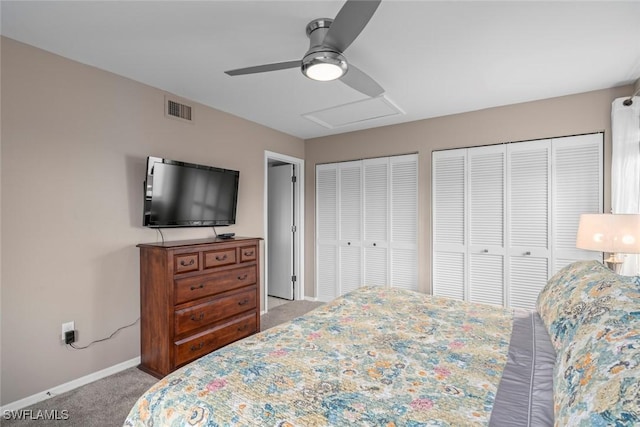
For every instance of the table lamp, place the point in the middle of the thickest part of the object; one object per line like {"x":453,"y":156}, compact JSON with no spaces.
{"x":616,"y":234}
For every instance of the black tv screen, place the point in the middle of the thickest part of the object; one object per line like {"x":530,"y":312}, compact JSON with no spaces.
{"x":179,"y":194}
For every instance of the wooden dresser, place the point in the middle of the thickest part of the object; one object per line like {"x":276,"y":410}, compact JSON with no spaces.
{"x":195,"y":297}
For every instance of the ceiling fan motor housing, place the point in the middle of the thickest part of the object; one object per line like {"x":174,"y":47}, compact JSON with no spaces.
{"x":316,"y":30}
{"x":320,"y":53}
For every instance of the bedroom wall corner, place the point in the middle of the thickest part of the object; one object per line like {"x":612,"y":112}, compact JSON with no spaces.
{"x":74,"y":145}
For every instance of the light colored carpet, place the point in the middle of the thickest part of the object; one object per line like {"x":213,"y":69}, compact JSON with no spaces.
{"x":107,"y":402}
{"x":102,"y":403}
{"x":284,"y":313}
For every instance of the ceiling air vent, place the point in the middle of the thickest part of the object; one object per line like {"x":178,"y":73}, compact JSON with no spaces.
{"x":178,"y":110}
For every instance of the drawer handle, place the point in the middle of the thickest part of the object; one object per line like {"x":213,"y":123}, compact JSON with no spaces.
{"x":221,"y":258}
{"x":200,"y":286}
{"x":185,"y":264}
{"x":243,"y":328}
{"x":198,"y":318}
{"x":197,"y":347}
{"x":243,"y":277}
{"x":244,"y":301}
{"x":248,"y":253}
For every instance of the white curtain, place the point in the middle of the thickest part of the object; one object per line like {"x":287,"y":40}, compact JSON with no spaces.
{"x":625,"y":166}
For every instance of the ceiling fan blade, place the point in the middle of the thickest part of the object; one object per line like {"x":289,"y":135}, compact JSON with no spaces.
{"x":360,"y":81}
{"x":264,"y":68}
{"x":349,"y":23}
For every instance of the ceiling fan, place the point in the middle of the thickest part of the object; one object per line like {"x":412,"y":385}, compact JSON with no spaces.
{"x":329,"y":38}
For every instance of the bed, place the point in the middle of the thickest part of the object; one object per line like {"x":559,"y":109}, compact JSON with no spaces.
{"x":390,"y":357}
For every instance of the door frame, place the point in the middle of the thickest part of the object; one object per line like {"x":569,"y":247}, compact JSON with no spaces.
{"x":298,"y":262}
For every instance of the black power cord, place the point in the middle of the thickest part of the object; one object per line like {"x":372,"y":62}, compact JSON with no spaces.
{"x":104,"y":339}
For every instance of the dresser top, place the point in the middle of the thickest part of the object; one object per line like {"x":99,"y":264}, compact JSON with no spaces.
{"x":193,"y":242}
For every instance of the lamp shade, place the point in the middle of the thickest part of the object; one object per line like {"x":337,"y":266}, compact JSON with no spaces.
{"x":613,"y":233}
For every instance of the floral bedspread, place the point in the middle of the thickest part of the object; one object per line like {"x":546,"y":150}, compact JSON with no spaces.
{"x":377,"y":357}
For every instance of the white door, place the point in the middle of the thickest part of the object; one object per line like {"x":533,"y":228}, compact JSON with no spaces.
{"x":280,"y":233}
{"x":449,"y":223}
{"x":498,"y":236}
{"x":326,"y":232}
{"x":528,"y":221}
{"x":403,"y":242}
{"x":376,"y":221}
{"x":577,"y":189}
{"x":350,"y":217}
{"x":486,"y":184}
{"x":366,"y":225}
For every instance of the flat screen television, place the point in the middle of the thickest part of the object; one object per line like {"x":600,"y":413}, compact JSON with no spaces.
{"x":180,"y":194}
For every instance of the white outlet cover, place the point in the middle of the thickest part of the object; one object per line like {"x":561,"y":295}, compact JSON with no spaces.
{"x":69,"y":326}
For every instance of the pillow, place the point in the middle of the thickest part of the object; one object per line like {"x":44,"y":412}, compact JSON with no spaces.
{"x":568,"y":298}
{"x":593,"y":319}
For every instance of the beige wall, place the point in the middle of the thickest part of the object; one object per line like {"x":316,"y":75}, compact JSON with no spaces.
{"x":74,"y":144}
{"x":568,"y":115}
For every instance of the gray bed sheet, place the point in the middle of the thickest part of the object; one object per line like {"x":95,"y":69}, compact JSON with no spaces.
{"x":525,"y":393}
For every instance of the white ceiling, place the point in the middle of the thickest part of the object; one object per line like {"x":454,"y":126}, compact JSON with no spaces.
{"x":433,"y":58}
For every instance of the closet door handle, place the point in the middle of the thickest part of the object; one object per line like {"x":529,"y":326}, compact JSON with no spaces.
{"x":528,"y":253}
{"x":374,"y":244}
{"x":485,"y":251}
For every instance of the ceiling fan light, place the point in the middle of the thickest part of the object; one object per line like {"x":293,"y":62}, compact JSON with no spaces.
{"x":324,"y":66}
{"x":324,"y":72}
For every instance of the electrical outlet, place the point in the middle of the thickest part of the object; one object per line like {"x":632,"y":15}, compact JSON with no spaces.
{"x":70,"y":337}
{"x":69,"y":326}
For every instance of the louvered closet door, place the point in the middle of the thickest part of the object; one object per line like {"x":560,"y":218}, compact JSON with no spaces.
{"x":539,"y":199}
{"x":327,"y":232}
{"x":486,"y":181}
{"x":404,"y":221}
{"x":350,"y":231}
{"x":449,"y":219}
{"x":366,"y":225}
{"x":577,"y":189}
{"x":528,"y":221}
{"x":376,"y":221}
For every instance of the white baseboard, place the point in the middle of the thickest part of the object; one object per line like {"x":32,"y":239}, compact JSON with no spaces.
{"x":63,"y":388}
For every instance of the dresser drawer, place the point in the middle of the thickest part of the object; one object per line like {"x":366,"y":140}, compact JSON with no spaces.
{"x":185,"y":262}
{"x":215,"y":310}
{"x":193,"y":347}
{"x":219,"y":258}
{"x":191,"y":288}
{"x":248,"y":253}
